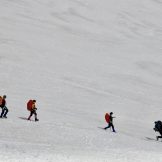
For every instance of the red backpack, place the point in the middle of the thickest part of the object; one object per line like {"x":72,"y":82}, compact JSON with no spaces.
{"x":29,"y":105}
{"x":107,"y":117}
{"x":1,"y":99}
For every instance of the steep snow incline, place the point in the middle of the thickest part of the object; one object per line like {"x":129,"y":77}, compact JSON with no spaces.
{"x":80,"y":59}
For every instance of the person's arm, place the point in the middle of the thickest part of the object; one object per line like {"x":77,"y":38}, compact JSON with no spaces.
{"x":34,"y":107}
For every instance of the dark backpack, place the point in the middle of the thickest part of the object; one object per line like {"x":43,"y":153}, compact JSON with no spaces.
{"x":158,"y":126}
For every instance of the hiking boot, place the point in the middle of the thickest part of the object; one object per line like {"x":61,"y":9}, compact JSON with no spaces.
{"x":36,"y":119}
{"x":5,"y":116}
{"x":157,"y":138}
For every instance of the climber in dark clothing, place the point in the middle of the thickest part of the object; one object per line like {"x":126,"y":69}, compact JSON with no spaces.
{"x":158,"y":128}
{"x":110,"y":123}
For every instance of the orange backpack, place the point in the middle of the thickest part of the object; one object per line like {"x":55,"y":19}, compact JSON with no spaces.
{"x":29,"y":105}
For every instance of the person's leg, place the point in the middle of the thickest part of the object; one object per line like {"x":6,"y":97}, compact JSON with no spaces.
{"x":6,"y":111}
{"x":2,"y":113}
{"x":157,"y":137}
{"x":35,"y":116}
{"x":31,"y":113}
{"x":107,"y":126}
{"x":113,"y":127}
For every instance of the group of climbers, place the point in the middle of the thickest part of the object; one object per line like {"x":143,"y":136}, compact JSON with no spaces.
{"x":31,"y":107}
{"x":109,"y":120}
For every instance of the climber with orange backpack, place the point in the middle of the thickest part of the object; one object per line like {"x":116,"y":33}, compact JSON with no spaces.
{"x":31,"y":106}
{"x":109,"y":120}
{"x":3,"y":106}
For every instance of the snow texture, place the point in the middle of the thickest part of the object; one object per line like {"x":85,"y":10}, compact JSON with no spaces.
{"x":80,"y":59}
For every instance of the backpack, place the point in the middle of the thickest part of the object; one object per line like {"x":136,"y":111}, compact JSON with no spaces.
{"x":158,"y":126}
{"x":1,"y":100}
{"x":107,"y":117}
{"x":29,"y":105}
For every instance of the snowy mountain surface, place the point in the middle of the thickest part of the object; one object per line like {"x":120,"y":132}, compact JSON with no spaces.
{"x":80,"y":59}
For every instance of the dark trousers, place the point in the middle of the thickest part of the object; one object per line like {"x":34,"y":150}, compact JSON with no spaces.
{"x":31,"y":113}
{"x":109,"y":126}
{"x":160,"y":134}
{"x":159,"y":137}
{"x":4,"y":112}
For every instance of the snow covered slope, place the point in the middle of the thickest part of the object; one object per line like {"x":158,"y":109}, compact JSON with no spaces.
{"x":80,"y":59}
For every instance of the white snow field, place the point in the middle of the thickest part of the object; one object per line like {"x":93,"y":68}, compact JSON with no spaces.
{"x":80,"y":59}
